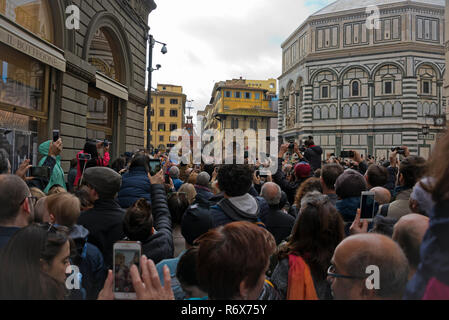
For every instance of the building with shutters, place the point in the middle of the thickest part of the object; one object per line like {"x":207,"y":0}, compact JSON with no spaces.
{"x":354,"y":87}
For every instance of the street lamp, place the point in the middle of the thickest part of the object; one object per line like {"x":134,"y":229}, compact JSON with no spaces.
{"x":164,"y":50}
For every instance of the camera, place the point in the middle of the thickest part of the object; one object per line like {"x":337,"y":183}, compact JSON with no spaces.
{"x":399,"y":150}
{"x":85,"y":157}
{"x":291,"y":147}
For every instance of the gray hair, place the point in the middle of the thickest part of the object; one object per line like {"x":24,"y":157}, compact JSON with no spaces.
{"x":313,"y":197}
{"x":272,"y":198}
{"x":203,"y":179}
{"x":174,"y":172}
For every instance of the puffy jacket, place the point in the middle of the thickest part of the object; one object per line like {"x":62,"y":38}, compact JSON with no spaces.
{"x":57,"y":173}
{"x":431,"y":280}
{"x":90,"y":262}
{"x":160,"y":245}
{"x":135,"y":185}
{"x":313,"y":156}
{"x":105,"y":224}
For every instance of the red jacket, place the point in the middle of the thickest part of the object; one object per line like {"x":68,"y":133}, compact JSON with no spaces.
{"x":101,"y":162}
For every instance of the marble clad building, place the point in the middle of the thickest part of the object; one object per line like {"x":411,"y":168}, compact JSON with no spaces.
{"x":353,"y":87}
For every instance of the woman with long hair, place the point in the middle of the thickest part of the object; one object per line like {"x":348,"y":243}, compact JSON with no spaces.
{"x":96,"y":160}
{"x":303,"y":262}
{"x":34,"y":263}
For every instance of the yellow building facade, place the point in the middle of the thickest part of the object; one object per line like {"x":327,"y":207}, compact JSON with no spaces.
{"x":240,"y":104}
{"x":167,"y":114}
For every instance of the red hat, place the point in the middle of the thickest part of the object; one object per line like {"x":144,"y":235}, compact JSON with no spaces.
{"x":302,"y":170}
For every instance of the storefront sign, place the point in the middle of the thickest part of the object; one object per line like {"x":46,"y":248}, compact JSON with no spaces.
{"x":27,"y":44}
{"x":426,"y":137}
{"x":9,"y":120}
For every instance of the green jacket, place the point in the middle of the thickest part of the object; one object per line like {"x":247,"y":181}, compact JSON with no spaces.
{"x":57,"y":175}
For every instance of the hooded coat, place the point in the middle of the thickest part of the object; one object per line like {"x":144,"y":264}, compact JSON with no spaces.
{"x":57,"y":173}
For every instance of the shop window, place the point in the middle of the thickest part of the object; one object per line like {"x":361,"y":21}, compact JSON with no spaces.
{"x":100,"y":106}
{"x":35,"y":16}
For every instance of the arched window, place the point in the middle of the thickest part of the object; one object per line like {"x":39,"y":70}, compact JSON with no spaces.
{"x":379,"y":110}
{"x":325,"y":113}
{"x":346,"y":111}
{"x":333,"y":112}
{"x":397,"y":109}
{"x":317,"y":113}
{"x":388,"y":109}
{"x":355,"y":111}
{"x":364,"y":111}
{"x":355,"y":88}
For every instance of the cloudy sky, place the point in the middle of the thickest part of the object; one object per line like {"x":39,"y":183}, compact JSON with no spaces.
{"x":215,"y":40}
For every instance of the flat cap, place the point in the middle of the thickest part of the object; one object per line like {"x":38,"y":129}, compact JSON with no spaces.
{"x":104,"y":180}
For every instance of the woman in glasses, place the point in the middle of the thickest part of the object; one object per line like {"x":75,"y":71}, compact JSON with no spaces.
{"x":34,"y":264}
{"x":303,"y":262}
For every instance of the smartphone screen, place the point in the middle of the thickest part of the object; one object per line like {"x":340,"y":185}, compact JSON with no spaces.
{"x":155,"y":166}
{"x":367,"y":205}
{"x":55,"y":135}
{"x":40,"y":172}
{"x":124,"y":258}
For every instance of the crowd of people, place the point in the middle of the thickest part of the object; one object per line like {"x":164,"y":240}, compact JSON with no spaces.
{"x":226,"y":231}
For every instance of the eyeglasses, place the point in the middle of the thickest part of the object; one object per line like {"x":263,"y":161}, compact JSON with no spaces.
{"x":33,"y":200}
{"x":331,"y":273}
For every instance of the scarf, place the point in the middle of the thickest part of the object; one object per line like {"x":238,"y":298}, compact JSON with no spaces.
{"x":300,"y":282}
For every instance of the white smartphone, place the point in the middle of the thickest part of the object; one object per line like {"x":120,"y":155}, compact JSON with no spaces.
{"x":367,"y":206}
{"x":126,"y":253}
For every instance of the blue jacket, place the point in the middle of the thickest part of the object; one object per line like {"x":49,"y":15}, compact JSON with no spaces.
{"x":90,"y":262}
{"x":177,"y":183}
{"x":348,"y":210}
{"x":135,"y":185}
{"x":434,"y":254}
{"x":205,"y":192}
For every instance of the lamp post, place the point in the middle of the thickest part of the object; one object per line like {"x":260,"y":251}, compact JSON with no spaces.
{"x":150,"y":69}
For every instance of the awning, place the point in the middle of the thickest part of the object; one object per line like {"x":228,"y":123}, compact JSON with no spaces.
{"x":26,"y":42}
{"x":110,"y":86}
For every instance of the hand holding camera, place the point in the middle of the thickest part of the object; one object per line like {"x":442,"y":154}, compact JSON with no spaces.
{"x":55,"y":148}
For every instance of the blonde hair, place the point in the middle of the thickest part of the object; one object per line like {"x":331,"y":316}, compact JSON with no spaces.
{"x":38,"y":193}
{"x":56,"y":189}
{"x":65,"y":207}
{"x":189,"y":190}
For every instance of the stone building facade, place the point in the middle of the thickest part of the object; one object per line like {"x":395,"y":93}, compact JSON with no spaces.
{"x":87,"y":82}
{"x":354,"y":87}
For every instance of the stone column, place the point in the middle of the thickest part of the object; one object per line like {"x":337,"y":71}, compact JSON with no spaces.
{"x":410,"y":113}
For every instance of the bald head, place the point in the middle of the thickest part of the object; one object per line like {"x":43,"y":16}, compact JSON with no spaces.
{"x":271,"y":192}
{"x":409,"y":232}
{"x":381,"y":195}
{"x":356,"y":253}
{"x":13,"y":193}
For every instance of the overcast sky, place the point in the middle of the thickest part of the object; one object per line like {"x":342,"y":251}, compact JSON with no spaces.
{"x":212,"y":40}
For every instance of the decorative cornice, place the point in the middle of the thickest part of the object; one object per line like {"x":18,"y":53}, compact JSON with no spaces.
{"x":80,"y":68}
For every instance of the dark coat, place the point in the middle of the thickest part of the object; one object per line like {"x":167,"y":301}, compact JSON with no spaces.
{"x":105,"y":224}
{"x":90,"y":262}
{"x":204,"y":191}
{"x":135,"y":185}
{"x":313,"y":157}
{"x":160,"y":245}
{"x":434,"y":266}
{"x":288,"y":187}
{"x":279,"y":223}
{"x":348,"y":210}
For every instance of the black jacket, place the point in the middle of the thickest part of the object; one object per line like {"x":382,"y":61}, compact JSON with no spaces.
{"x":288,"y":187}
{"x":313,"y":156}
{"x":279,"y":223}
{"x":160,"y":245}
{"x":105,"y":224}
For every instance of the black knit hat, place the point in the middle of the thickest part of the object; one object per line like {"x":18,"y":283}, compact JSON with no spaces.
{"x":104,"y":180}
{"x":195,"y":222}
{"x":350,"y":184}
